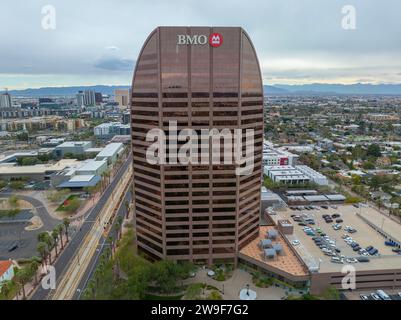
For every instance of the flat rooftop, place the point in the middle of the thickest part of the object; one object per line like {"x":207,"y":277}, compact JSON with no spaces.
{"x":287,"y":261}
{"x":92,"y":165}
{"x":110,"y":149}
{"x":365,"y":236}
{"x":38,"y":168}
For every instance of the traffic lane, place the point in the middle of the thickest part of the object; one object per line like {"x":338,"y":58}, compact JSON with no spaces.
{"x":95,"y":259}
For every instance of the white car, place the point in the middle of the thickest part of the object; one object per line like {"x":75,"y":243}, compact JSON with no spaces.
{"x":296,"y":242}
{"x":351,"y":260}
{"x":364,"y":297}
{"x":399,"y":294}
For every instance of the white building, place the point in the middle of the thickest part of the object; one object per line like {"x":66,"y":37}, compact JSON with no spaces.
{"x":285,"y":174}
{"x":313,"y":175}
{"x":277,"y":157}
{"x":111,"y":152}
{"x":92,"y":167}
{"x":6,"y":271}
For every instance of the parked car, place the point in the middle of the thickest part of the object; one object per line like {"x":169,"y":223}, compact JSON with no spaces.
{"x":383,"y":295}
{"x":13,"y":247}
{"x":375,"y":296}
{"x":336,"y":260}
{"x":396,"y":250}
{"x":364,"y":297}
{"x":363,"y":259}
{"x":390,"y":243}
{"x":336,"y":215}
{"x":295,"y":242}
{"x":339,"y":220}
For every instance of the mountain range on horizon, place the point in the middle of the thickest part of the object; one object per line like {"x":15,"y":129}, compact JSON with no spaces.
{"x":277,"y":89}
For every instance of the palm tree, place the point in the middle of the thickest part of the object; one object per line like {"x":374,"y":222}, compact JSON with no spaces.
{"x":126,"y":209}
{"x":22,"y":277}
{"x":6,"y":288}
{"x":60,"y":229}
{"x":66,"y":223}
{"x":48,"y":240}
{"x":55,"y":236}
{"x":42,"y":250}
{"x":33,"y":266}
{"x":42,"y":236}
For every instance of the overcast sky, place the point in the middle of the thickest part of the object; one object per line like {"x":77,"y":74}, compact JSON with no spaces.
{"x":297,"y":41}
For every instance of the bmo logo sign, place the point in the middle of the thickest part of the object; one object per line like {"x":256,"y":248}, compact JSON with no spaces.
{"x":215,"y":39}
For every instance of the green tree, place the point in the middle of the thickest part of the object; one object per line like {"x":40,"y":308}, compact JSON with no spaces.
{"x":22,"y":276}
{"x":193,"y":291}
{"x":34,"y":264}
{"x":374,"y":150}
{"x":60,"y":229}
{"x":331,"y":293}
{"x":214,"y":295}
{"x":66,"y":223}
{"x":13,"y":201}
{"x":42,"y":250}
{"x":55,"y":236}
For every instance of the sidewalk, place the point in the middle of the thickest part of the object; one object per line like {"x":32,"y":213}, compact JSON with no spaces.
{"x":233,"y":285}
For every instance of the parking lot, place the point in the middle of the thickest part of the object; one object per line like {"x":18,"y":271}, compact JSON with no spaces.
{"x":368,"y":295}
{"x":365,"y":236}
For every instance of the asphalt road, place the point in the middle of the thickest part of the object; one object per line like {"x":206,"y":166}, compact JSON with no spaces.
{"x":15,"y":233}
{"x":95,"y":259}
{"x":69,"y":252}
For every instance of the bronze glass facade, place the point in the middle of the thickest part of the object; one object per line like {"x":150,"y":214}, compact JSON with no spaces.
{"x":196,"y":212}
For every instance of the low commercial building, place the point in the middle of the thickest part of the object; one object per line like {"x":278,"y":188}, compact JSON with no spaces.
{"x":313,"y":175}
{"x":38,"y":172}
{"x":110,"y":152}
{"x":92,"y":167}
{"x":270,"y":199}
{"x":72,"y":147}
{"x":277,"y":157}
{"x":110,"y":129}
{"x":285,"y":174}
{"x":6,"y":271}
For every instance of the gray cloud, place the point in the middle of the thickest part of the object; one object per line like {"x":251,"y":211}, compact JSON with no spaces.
{"x":115,"y":64}
{"x":295,"y":40}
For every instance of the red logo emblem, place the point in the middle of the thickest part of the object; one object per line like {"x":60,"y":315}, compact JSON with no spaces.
{"x":215,"y":39}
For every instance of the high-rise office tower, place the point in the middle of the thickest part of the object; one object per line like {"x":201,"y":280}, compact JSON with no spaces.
{"x":80,"y":99}
{"x":202,"y":78}
{"x":89,"y":98}
{"x":5,"y":100}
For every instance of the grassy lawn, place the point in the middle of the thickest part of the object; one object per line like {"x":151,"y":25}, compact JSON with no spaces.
{"x":72,"y":200}
{"x":9,"y":213}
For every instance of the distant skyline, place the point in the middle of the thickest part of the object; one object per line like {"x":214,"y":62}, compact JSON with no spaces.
{"x":298,"y":42}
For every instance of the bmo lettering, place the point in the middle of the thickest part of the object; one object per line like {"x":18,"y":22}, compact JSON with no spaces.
{"x":195,"y":39}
